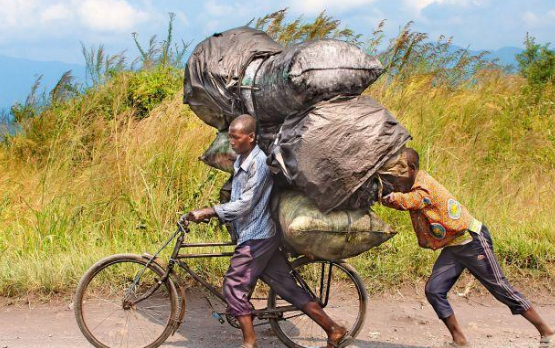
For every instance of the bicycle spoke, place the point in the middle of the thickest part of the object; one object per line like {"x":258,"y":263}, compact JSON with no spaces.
{"x":103,"y":320}
{"x":344,"y":304}
{"x":140,"y":328}
{"x":155,"y":306}
{"x":293,"y":316}
{"x":110,"y":302}
{"x":130,"y":325}
{"x":153,"y":317}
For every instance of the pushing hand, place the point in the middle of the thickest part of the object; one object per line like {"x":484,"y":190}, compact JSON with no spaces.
{"x":386,"y":200}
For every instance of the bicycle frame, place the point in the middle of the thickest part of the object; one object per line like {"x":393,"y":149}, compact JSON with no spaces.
{"x":177,"y":258}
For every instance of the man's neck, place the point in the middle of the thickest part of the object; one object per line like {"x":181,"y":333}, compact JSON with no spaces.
{"x":246,"y":154}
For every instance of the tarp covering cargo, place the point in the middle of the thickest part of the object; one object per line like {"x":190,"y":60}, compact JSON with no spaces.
{"x":307,"y":73}
{"x":220,"y":155}
{"x":334,"y":148}
{"x":214,"y":69}
{"x":334,"y":236}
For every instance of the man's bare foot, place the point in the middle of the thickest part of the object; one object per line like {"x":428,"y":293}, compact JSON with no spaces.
{"x":247,"y":345}
{"x":548,"y":341}
{"x":336,"y":337}
{"x":453,"y":344}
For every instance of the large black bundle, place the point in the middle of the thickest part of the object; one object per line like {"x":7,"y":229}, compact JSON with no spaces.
{"x":332,"y":150}
{"x":305,"y":74}
{"x":214,"y":70}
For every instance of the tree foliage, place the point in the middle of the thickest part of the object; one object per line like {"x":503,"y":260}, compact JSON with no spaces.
{"x":536,"y":62}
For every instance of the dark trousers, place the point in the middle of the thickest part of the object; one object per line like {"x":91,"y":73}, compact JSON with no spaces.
{"x":478,"y":257}
{"x":260,"y":259}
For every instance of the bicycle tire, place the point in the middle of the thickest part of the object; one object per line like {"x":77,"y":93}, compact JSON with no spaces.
{"x":352,"y":277}
{"x":152,"y":273}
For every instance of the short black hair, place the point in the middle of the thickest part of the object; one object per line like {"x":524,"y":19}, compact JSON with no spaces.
{"x":412,"y":157}
{"x":245,"y":122}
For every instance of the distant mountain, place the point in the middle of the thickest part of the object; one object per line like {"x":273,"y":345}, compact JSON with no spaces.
{"x":17,"y":75}
{"x":505,"y":55}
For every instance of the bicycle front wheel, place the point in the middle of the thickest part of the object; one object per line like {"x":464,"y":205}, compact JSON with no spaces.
{"x":112,"y":312}
{"x":341,"y":293}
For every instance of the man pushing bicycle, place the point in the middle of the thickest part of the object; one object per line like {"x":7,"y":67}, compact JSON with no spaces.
{"x":258,"y":254}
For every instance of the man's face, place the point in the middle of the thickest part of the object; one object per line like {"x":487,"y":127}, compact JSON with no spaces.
{"x":241,"y":142}
{"x":404,"y":183}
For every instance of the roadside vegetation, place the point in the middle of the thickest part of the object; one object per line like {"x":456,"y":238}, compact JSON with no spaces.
{"x":109,"y":167}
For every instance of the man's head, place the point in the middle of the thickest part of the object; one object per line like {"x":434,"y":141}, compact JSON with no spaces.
{"x":404,"y":183}
{"x":242,"y":134}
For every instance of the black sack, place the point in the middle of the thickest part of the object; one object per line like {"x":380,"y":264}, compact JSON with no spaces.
{"x":332,"y":150}
{"x":214,"y":69}
{"x":305,"y":74}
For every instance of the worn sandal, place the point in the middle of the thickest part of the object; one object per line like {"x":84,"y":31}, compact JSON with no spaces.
{"x":547,"y":341}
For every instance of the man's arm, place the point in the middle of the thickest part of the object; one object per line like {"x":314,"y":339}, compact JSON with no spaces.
{"x":416,"y":199}
{"x":227,"y":212}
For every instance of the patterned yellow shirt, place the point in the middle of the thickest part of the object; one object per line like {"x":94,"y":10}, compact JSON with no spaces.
{"x":431,"y":203}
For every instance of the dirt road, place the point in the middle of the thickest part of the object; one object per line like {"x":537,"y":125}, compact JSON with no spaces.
{"x":393,"y":321}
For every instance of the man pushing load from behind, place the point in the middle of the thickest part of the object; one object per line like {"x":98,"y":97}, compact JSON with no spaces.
{"x":258,"y":254}
{"x":440,"y":221}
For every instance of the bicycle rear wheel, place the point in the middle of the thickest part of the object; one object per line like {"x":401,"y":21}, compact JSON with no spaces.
{"x":342,"y":294}
{"x":112,"y":313}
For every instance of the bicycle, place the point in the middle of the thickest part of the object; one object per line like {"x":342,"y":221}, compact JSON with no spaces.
{"x":129,"y":300}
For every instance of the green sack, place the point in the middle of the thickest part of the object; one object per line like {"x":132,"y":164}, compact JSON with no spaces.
{"x":334,"y":236}
{"x":220,"y":155}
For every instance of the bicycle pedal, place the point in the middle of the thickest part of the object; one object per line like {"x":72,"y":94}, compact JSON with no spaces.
{"x":218,"y":317}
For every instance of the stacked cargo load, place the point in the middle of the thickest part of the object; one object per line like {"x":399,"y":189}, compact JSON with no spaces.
{"x":324,"y":140}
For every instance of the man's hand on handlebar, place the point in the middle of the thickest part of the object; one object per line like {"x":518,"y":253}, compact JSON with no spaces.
{"x":199,"y":215}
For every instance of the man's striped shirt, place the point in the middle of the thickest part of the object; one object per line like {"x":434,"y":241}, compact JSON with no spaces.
{"x":249,"y":208}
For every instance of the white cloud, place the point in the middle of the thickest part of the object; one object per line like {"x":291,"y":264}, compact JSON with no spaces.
{"x":534,"y":20}
{"x":182,"y":17}
{"x":16,"y":13}
{"x":530,"y":18}
{"x":234,"y":10}
{"x":418,"y":5}
{"x":55,"y":13}
{"x":218,"y":10}
{"x":337,"y":6}
{"x":110,"y":15}
{"x":38,"y":16}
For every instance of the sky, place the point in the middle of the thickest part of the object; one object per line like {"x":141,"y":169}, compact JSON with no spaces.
{"x":52,"y":30}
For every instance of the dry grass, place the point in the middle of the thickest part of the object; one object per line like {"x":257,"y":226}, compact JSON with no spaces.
{"x":88,"y":179}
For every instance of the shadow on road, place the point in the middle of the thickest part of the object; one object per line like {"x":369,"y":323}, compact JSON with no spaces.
{"x":378,"y":344}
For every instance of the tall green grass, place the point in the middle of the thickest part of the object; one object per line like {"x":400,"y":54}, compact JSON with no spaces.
{"x":110,"y":169}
